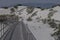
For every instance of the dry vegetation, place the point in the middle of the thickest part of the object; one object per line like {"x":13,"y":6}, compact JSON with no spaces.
{"x":30,"y":10}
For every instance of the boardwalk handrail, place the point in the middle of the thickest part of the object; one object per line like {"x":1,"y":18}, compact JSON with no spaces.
{"x":3,"y":33}
{"x":10,"y":29}
{"x":5,"y":30}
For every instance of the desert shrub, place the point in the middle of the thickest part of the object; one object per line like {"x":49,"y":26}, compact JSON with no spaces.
{"x":12,"y":10}
{"x":51,"y":9}
{"x":35,"y":13}
{"x":5,"y":7}
{"x":42,"y":8}
{"x":44,"y":21}
{"x":53,"y":24}
{"x":38,"y":7}
{"x":57,"y":33}
{"x":29,"y":10}
{"x":50,"y":14}
{"x":16,"y":7}
{"x":19,"y":4}
{"x":29,"y":19}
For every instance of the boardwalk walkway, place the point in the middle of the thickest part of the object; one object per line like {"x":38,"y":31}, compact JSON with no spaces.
{"x":20,"y":32}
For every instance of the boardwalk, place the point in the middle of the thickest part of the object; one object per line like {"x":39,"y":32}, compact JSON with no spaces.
{"x":22,"y":33}
{"x":19,"y":31}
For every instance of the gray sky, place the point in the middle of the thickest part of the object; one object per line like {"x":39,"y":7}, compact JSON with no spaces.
{"x":17,"y":1}
{"x":8,"y":2}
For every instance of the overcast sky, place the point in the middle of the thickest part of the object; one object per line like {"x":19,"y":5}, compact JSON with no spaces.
{"x":8,"y":2}
{"x":15,"y":1}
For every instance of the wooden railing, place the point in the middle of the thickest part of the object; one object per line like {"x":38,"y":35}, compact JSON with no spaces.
{"x":7,"y":23}
{"x":7,"y":29}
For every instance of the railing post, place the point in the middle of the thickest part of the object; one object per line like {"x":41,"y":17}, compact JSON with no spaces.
{"x":1,"y":28}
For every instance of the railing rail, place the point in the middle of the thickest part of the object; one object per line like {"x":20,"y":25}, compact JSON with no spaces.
{"x":7,"y":35}
{"x":3,"y":30}
{"x":6,"y":29}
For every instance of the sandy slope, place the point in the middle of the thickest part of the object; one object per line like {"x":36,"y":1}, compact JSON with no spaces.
{"x":40,"y":31}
